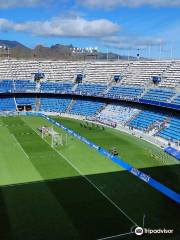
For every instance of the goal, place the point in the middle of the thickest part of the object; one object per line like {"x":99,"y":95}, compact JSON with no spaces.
{"x":56,"y":138}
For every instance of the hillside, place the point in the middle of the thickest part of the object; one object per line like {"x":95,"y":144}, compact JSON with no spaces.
{"x":56,"y":52}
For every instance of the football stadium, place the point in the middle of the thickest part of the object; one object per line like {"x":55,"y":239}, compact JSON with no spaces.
{"x":90,"y":154}
{"x":89,"y":120}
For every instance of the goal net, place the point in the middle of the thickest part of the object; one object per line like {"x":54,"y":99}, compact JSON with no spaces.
{"x":56,"y":138}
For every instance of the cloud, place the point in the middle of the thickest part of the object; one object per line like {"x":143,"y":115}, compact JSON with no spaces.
{"x":129,"y":3}
{"x":108,"y":4}
{"x":63,"y":27}
{"x":19,"y":3}
{"x":131,"y":42}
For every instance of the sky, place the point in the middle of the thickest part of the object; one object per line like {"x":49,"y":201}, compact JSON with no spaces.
{"x":127,"y":27}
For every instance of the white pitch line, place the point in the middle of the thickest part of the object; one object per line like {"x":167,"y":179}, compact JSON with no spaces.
{"x":18,"y":143}
{"x":102,"y":193}
{"x":115,"y":236}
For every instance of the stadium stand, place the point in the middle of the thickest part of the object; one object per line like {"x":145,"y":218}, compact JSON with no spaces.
{"x":86,"y":107}
{"x":54,"y":87}
{"x":61,"y":71}
{"x":54,"y":104}
{"x":117,"y":113}
{"x":22,"y":70}
{"x":5,"y":70}
{"x":125,"y":92}
{"x":6,"y":86}
{"x":26,"y":101}
{"x":172,"y":75}
{"x":135,"y":83}
{"x":7,"y":104}
{"x":176,"y":100}
{"x":140,"y":72}
{"x":159,"y":94}
{"x":24,"y":86}
{"x":147,"y":119}
{"x":172,"y":131}
{"x":91,"y":89}
{"x":133,"y":73}
{"x":104,"y":72}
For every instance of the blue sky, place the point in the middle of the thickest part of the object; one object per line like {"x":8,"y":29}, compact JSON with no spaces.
{"x":122,"y":26}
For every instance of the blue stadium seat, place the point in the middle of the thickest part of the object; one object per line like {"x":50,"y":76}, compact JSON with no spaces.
{"x":86,"y":108}
{"x":172,"y":132}
{"x":52,"y":87}
{"x":24,"y":86}
{"x":91,"y":89}
{"x":55,"y":104}
{"x":7,"y":104}
{"x":177,"y":100}
{"x":145,"y":119}
{"x":6,"y":86}
{"x":25,"y":101}
{"x":125,"y":92}
{"x":159,"y":94}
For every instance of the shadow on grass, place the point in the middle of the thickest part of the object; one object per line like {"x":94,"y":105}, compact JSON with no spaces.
{"x":131,"y":148}
{"x":167,"y":175}
{"x":71,"y":208}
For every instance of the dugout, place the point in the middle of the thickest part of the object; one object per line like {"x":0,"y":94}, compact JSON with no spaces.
{"x":24,"y":108}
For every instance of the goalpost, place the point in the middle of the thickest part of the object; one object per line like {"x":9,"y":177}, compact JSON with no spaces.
{"x":56,"y":138}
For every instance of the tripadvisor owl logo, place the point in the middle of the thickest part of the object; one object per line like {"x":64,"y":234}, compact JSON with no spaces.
{"x":139,"y":231}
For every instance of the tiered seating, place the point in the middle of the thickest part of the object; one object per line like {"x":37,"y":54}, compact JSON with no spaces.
{"x":140,"y":72}
{"x":159,"y":94}
{"x":103,"y":72}
{"x":117,"y":113}
{"x":54,"y":104}
{"x":91,"y":89}
{"x":26,"y":101}
{"x":125,"y":92}
{"x":7,"y":104}
{"x":23,"y":70}
{"x":133,"y":73}
{"x":177,"y":100}
{"x":5,"y":72}
{"x":61,"y":70}
{"x":86,"y":108}
{"x":20,"y":69}
{"x":24,"y":86}
{"x":146,"y":119}
{"x":52,"y":87}
{"x":6,"y":86}
{"x":171,"y":78}
{"x":172,"y":132}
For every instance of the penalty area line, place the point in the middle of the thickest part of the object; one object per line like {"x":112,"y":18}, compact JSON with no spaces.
{"x":87,"y":179}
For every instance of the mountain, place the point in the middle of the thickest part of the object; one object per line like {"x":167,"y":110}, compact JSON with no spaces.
{"x":55,"y":52}
{"x":11,"y":44}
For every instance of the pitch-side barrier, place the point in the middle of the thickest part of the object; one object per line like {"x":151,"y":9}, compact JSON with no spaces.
{"x":136,"y":172}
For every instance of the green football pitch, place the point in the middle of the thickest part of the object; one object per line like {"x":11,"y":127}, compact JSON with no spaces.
{"x":72,"y":192}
